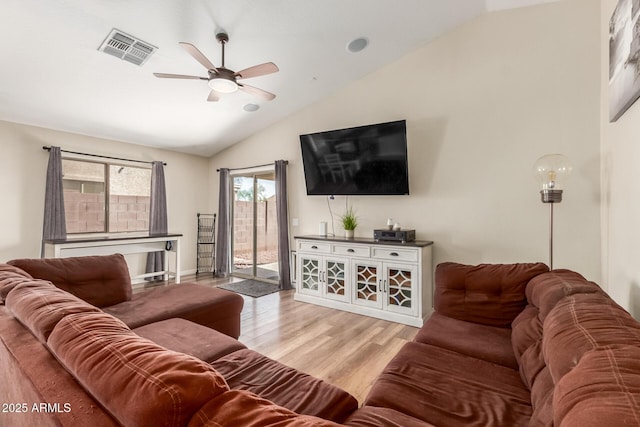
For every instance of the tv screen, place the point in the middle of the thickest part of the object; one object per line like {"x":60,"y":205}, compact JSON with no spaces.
{"x":364,"y":160}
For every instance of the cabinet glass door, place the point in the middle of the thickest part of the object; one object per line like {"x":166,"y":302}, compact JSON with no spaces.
{"x":336,"y":280}
{"x":366,"y":280}
{"x":309,"y":281}
{"x":400,"y":286}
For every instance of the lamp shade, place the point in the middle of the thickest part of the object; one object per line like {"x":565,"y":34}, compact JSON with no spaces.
{"x":551,"y":171}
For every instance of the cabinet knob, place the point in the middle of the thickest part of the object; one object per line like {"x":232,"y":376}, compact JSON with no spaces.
{"x":350,"y":250}
{"x":394,"y":254}
{"x":314,"y":247}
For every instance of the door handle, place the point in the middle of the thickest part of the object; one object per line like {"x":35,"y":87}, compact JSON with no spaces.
{"x":382,"y":285}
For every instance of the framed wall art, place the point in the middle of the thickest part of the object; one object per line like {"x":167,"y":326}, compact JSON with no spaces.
{"x":624,"y":61}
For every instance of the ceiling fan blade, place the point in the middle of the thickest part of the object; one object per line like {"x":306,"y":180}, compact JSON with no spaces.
{"x":257,"y":70}
{"x":198,"y":56}
{"x":178,"y":76}
{"x":268,"y":96}
{"x":213,"y":96}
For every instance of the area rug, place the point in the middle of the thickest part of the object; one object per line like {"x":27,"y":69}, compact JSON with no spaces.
{"x":261,"y":273}
{"x":252,"y":288}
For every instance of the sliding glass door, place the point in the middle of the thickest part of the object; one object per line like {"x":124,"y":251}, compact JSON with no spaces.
{"x":254,"y":227}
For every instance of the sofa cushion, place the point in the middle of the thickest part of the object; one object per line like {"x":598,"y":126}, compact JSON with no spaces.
{"x":10,"y":277}
{"x":190,"y":338}
{"x":526,"y":330}
{"x":547,"y":289}
{"x":489,"y":294}
{"x":98,"y":280}
{"x":285,"y":386}
{"x":239,"y":408}
{"x":577,"y":317}
{"x":584,"y":322}
{"x":215,"y":308}
{"x":531,"y":364}
{"x":602,"y":390}
{"x":372,"y":416}
{"x":484,"y":342}
{"x":40,"y":306}
{"x":30,"y":374}
{"x":137,"y":381}
{"x":542,"y":399}
{"x":443,"y":387}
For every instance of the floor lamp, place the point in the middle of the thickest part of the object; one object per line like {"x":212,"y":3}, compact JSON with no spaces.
{"x":551,"y":171}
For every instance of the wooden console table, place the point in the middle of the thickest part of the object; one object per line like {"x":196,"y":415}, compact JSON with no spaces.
{"x":386,"y":280}
{"x":123,"y":244}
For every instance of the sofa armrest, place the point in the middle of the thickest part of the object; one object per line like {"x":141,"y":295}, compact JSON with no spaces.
{"x":488,"y":294}
{"x":10,"y":277}
{"x":99,"y":280}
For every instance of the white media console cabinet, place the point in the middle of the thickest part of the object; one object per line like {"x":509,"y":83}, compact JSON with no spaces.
{"x":386,"y":280}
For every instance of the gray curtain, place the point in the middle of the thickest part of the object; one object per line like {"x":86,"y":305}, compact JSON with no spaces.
{"x":157,"y":216}
{"x":54,"y":226}
{"x":283,"y":225}
{"x":223,"y":237}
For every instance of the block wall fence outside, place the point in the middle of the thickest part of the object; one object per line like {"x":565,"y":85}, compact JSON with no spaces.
{"x":267,"y":229}
{"x":85,"y":212}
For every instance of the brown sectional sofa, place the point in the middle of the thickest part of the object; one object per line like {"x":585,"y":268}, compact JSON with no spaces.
{"x":104,"y":282}
{"x":508,"y":345}
{"x":93,"y":369}
{"x":516,"y":345}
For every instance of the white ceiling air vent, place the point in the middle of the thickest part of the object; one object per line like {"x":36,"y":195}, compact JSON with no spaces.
{"x":127,"y":47}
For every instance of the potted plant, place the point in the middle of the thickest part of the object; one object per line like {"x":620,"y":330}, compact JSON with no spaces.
{"x":349,"y":222}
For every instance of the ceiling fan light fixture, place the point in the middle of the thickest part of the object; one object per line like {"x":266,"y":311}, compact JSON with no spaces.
{"x":223,"y":85}
{"x":222,"y":80}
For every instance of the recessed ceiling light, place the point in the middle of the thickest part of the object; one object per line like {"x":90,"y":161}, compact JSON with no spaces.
{"x":251,"y":107}
{"x":357,"y":45}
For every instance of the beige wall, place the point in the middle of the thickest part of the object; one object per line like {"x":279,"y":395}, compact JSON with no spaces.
{"x":22,"y":177}
{"x":482,"y":104}
{"x":620,"y":189}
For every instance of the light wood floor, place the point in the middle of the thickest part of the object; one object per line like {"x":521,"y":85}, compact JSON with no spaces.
{"x":344,"y":349}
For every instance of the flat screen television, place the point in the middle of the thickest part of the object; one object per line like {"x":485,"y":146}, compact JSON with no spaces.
{"x":363,"y":160}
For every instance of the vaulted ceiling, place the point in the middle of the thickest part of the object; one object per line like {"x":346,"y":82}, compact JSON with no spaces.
{"x":53,"y":74}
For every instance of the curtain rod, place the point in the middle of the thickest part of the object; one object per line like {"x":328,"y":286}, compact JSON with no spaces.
{"x":286,"y":162}
{"x":103,"y":157}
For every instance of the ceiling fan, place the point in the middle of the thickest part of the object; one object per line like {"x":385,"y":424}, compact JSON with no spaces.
{"x":224,"y":80}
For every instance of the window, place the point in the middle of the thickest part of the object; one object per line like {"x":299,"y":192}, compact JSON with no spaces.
{"x":105,"y":197}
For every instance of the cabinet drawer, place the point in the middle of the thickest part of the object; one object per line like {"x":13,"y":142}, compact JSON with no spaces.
{"x":352,"y":250}
{"x":318,"y":247}
{"x":393,"y":254}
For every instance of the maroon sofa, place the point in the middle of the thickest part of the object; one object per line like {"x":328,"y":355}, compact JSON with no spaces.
{"x":515,"y":345}
{"x":508,"y":345}
{"x":84,"y":366}
{"x":104,"y":282}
